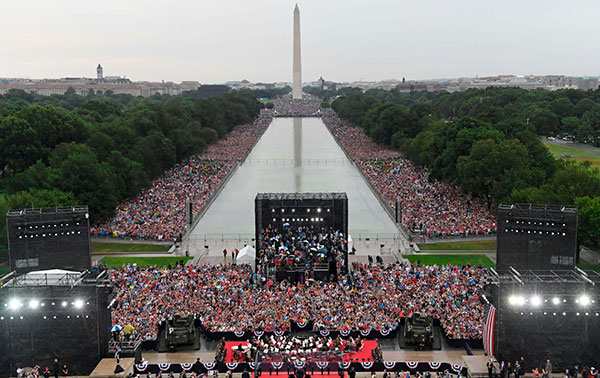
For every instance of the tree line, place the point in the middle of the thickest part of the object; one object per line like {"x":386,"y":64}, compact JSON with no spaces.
{"x":102,"y":149}
{"x":487,"y":142}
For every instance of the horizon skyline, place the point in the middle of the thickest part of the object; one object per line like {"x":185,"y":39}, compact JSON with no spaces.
{"x":226,"y":41}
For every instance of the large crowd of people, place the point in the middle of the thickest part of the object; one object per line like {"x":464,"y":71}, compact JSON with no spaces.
{"x":285,"y":106}
{"x":159,"y":212}
{"x":429,"y":207}
{"x":233,"y":299}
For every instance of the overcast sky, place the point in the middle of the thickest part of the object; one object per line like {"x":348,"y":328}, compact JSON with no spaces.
{"x":342,"y":40}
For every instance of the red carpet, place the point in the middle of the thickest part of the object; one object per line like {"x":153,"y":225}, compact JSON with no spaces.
{"x":229,"y":351}
{"x":365,"y":353}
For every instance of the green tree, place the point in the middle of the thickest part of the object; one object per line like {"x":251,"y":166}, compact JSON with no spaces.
{"x":19,"y":144}
{"x":588,"y":230}
{"x":494,"y":167}
{"x":93,"y":183}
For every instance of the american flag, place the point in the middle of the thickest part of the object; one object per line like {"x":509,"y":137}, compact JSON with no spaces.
{"x":488,"y":330}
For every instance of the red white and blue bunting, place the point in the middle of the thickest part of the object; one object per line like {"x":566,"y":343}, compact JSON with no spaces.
{"x":259,"y":333}
{"x":412,"y":365}
{"x":231,"y":365}
{"x":141,"y":367}
{"x":457,"y":368}
{"x":164,"y":367}
{"x":279,"y":333}
{"x":435,"y":365}
{"x":324,"y":333}
{"x":344,"y":332}
{"x":299,"y":364}
{"x":367,"y":364}
{"x":209,"y":365}
{"x":322,"y":365}
{"x":187,"y":366}
{"x":384,"y":332}
{"x":301,"y":324}
{"x":365,"y":332}
{"x":277,"y":365}
{"x":239,"y":334}
{"x":389,"y":364}
{"x":344,"y":365}
{"x":253,"y":365}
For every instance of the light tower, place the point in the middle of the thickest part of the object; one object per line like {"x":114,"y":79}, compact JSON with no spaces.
{"x":297,"y":69}
{"x":99,"y":73}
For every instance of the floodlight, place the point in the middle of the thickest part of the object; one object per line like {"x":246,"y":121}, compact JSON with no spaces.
{"x":14,"y":304}
{"x":78,"y":303}
{"x":516,"y":300}
{"x":536,"y":301}
{"x":34,"y":303}
{"x":556,"y":300}
{"x":64,"y":304}
{"x":584,"y":300}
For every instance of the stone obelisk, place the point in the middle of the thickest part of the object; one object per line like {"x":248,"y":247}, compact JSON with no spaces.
{"x":297,"y":69}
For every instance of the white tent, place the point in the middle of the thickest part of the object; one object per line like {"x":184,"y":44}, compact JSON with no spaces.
{"x":247,"y":255}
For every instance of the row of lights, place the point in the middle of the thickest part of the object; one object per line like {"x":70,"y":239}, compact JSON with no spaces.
{"x":53,"y":225}
{"x":535,"y":232}
{"x":535,"y":223}
{"x":299,"y":219}
{"x":536,"y":300}
{"x":307,"y":210}
{"x":15,"y":304}
{"x":45,"y":317}
{"x":49,"y":234}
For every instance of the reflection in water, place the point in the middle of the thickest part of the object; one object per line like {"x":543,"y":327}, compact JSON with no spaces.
{"x":298,"y":154}
{"x":294,"y":155}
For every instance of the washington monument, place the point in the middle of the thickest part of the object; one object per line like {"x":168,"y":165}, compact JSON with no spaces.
{"x":297,"y":82}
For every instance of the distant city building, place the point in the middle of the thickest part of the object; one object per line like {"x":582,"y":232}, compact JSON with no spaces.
{"x":101,"y":84}
{"x":321,"y":83}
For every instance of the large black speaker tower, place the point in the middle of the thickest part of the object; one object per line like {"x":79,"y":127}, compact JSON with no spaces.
{"x":49,"y":238}
{"x":54,"y":314}
{"x":536,"y":237}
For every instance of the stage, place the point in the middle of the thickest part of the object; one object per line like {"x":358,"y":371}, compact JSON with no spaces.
{"x":365,"y":354}
{"x":106,"y":368}
{"x":451,"y":356}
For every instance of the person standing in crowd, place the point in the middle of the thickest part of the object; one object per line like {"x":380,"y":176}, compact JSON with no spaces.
{"x":490,"y":368}
{"x":65,"y":370}
{"x":352,"y":373}
{"x":225,"y":256}
{"x":502,"y":370}
{"x":245,"y":374}
{"x":547,"y":369}
{"x":56,"y":368}
{"x":517,"y":369}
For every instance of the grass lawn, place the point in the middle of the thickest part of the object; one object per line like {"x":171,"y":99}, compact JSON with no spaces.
{"x":582,"y":155}
{"x":142,"y":261}
{"x":107,"y":247}
{"x":446,"y":259}
{"x":473,"y":245}
{"x":588,"y":266}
